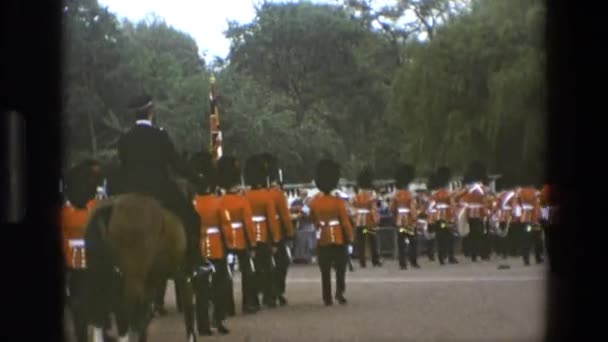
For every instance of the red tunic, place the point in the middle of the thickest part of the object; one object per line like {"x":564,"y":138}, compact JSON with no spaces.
{"x":264,"y":216}
{"x":331,"y":220}
{"x":73,"y":222}
{"x":242,"y":234}
{"x":365,"y":211}
{"x":403,"y":208}
{"x":215,"y":226}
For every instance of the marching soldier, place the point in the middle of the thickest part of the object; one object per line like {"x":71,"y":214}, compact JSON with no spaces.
{"x":506,"y":203}
{"x":146,"y":154}
{"x":548,"y":205}
{"x":215,"y":228}
{"x":366,"y":218}
{"x":333,"y":230}
{"x":282,"y":256}
{"x":241,"y":240}
{"x":443,"y":216}
{"x":532,"y":233}
{"x":473,"y":199}
{"x":404,"y":210}
{"x":267,"y":235}
{"x":81,"y":183}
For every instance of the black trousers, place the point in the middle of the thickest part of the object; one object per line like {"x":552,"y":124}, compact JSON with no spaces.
{"x":430,"y":248}
{"x":514,"y":239}
{"x":76,"y":283}
{"x":502,"y":243}
{"x":211,"y":288}
{"x":281,"y":258}
{"x":476,"y":238}
{"x":332,"y":255}
{"x":248,"y":288}
{"x":445,"y":241}
{"x":531,"y":238}
{"x":365,"y":234}
{"x":408,"y":248}
{"x":264,"y":273}
{"x":548,"y":229}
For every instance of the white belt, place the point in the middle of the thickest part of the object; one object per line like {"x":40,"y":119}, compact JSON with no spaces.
{"x":527,"y":207}
{"x":474,"y":206}
{"x":506,"y":207}
{"x":421,"y":221}
{"x":330,"y":223}
{"x":442,"y":206}
{"x":403,"y":210}
{"x":75,"y":243}
{"x":213,"y":230}
{"x":237,"y":225}
{"x":363,"y":211}
{"x":258,"y":219}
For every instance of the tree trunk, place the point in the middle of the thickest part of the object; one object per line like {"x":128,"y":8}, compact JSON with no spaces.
{"x":93,"y":135}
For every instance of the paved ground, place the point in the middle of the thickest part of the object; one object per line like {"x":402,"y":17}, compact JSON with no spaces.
{"x":464,"y":302}
{"x":472,"y":302}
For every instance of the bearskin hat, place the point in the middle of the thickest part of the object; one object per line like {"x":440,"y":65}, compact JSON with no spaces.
{"x":81,"y":182}
{"x":476,"y":172}
{"x":365,"y":179}
{"x":442,"y":176}
{"x":271,"y":166}
{"x":327,"y":175}
{"x":202,"y":164}
{"x":404,"y":175}
{"x":255,"y":171}
{"x":229,"y":173}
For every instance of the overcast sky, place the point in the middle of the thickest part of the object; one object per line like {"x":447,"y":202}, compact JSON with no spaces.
{"x":204,"y":20}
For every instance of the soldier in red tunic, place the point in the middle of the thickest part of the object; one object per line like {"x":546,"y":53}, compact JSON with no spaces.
{"x":267,"y":232}
{"x":81,"y":183}
{"x":532,"y":234}
{"x":241,"y":240}
{"x":404,"y":209}
{"x":282,"y":255}
{"x":443,"y":216}
{"x":333,"y":227}
{"x":215,"y":227}
{"x":366,"y":218}
{"x":548,"y":206}
{"x":473,"y":198}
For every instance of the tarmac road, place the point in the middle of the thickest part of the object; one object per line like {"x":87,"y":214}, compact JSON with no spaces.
{"x":464,"y":302}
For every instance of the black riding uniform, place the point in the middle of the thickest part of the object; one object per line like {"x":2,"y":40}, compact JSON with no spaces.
{"x":146,"y":156}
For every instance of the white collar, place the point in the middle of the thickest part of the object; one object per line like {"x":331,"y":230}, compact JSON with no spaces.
{"x":143,"y":122}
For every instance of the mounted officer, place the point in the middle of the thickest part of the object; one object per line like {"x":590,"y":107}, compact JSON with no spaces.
{"x":147,"y":154}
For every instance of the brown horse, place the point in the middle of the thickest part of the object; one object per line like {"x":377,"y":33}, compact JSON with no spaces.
{"x":132,"y":244}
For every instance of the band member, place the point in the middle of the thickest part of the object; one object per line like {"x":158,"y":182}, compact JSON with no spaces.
{"x":404,"y":210}
{"x":333,"y":230}
{"x":282,"y":256}
{"x":506,"y":202}
{"x":267,"y":235}
{"x":366,"y":218}
{"x":473,"y":199}
{"x":532,"y":233}
{"x":443,"y":216}
{"x":146,"y":154}
{"x":241,"y":240}
{"x":215,"y":228}
{"x":79,"y":188}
